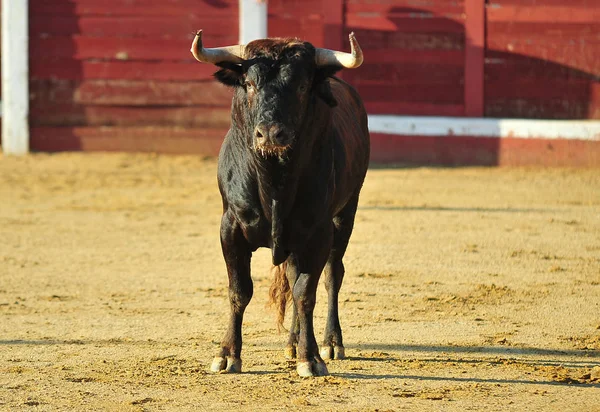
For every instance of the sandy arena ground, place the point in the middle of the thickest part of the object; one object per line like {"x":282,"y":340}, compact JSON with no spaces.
{"x":466,"y":289}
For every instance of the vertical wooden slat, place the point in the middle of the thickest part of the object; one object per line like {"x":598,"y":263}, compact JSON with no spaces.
{"x":252,"y":20}
{"x":474,"y":57}
{"x":15,"y":77}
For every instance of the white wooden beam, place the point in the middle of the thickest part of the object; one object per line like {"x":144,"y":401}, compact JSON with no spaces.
{"x":485,"y":127}
{"x":15,"y":77}
{"x":253,"y":20}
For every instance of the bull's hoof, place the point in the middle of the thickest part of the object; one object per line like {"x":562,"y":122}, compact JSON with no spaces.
{"x":333,"y":352}
{"x":312,"y":368}
{"x":226,"y":365}
{"x":290,"y":352}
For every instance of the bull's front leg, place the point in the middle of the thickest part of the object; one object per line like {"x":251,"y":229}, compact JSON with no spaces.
{"x":310,"y":265}
{"x":237,"y":254}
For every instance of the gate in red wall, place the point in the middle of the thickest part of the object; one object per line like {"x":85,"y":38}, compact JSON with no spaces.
{"x":118,"y":75}
{"x":495,"y":58}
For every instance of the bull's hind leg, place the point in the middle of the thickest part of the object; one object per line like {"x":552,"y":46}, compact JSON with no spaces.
{"x":333,"y":346}
{"x":237,"y":253}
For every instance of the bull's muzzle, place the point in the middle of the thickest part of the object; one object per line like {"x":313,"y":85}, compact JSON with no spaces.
{"x":270,"y":139}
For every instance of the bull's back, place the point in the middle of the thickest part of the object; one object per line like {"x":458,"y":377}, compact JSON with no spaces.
{"x":351,"y":140}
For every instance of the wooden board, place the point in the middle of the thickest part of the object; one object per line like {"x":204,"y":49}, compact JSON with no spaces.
{"x":72,"y":69}
{"x":133,"y":93}
{"x":129,"y":139}
{"x":477,"y":151}
{"x":91,"y":115}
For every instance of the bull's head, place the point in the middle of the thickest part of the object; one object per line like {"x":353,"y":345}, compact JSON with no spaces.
{"x":276,"y":81}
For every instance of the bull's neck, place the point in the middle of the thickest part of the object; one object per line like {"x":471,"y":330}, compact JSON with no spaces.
{"x":277,"y":186}
{"x":278,"y":178}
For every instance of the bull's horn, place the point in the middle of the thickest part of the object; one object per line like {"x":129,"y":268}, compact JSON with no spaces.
{"x":216,"y":55}
{"x":326,"y":57}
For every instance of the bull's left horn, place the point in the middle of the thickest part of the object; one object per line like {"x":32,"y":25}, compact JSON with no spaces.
{"x":352,"y":60}
{"x":216,"y":55}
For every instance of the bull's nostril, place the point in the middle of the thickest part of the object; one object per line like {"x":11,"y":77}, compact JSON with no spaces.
{"x":259,"y":135}
{"x":276,"y":133}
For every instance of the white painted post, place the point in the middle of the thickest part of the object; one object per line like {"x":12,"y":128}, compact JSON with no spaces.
{"x":15,"y":77}
{"x":253,"y":20}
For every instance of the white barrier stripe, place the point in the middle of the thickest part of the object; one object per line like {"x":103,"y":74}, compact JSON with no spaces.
{"x":487,"y":128}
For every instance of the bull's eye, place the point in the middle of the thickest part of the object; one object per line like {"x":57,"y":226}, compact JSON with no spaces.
{"x":302,"y":88}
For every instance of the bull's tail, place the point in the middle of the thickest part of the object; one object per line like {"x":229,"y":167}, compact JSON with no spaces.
{"x":280,"y":292}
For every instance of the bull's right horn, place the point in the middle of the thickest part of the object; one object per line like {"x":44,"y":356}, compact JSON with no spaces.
{"x":352,"y":60}
{"x":216,"y":55}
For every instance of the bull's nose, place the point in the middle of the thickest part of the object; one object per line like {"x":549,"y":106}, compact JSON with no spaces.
{"x":268,"y":134}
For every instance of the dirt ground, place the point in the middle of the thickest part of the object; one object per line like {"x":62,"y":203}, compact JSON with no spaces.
{"x":466,"y":289}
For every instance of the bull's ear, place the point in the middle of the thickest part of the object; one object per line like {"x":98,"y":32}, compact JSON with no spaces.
{"x":324,"y":72}
{"x":321,"y":87}
{"x":230,"y":74}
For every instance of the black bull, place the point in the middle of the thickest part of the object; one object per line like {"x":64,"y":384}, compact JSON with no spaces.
{"x":290,"y":172}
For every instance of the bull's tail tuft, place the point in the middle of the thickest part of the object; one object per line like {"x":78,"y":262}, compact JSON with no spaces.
{"x":280,"y":292}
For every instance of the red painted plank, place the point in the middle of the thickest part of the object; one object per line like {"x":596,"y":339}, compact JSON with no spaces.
{"x":428,"y":75}
{"x":71,"y":69}
{"x":540,"y":108}
{"x":474,"y":57}
{"x":545,"y":13}
{"x":295,"y":6}
{"x":580,"y":57}
{"x":305,"y":29}
{"x":434,"y":150}
{"x":78,"y":47}
{"x":395,"y":56}
{"x":216,"y":28}
{"x":416,"y":9}
{"x":89,"y":115}
{"x":540,"y":3}
{"x":548,"y":31}
{"x":466,"y":150}
{"x":375,"y":39}
{"x":129,"y":139}
{"x":119,"y":8}
{"x":136,"y":93}
{"x":217,"y":4}
{"x":448,"y":94}
{"x":403,"y":23}
{"x":554,"y":153}
{"x":501,"y":64}
{"x":541,"y":88}
{"x":414,"y":109}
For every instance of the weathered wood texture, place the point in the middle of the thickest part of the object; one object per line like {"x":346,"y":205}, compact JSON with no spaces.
{"x":543,"y":59}
{"x":118,"y":74}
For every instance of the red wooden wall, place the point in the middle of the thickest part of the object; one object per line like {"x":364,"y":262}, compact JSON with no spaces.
{"x":118,"y":74}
